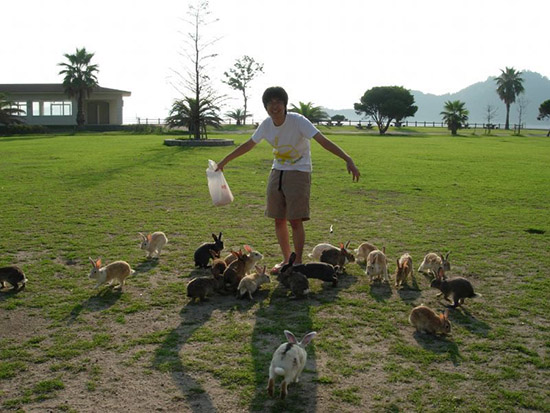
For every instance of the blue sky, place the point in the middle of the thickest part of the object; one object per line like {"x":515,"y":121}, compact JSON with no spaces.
{"x":321,"y":51}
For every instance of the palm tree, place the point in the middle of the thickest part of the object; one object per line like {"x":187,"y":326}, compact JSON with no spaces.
{"x":80,"y":79}
{"x":455,"y":115}
{"x":8,"y":114}
{"x":314,"y":113}
{"x":185,"y":112}
{"x":239,"y":116}
{"x":509,"y":86}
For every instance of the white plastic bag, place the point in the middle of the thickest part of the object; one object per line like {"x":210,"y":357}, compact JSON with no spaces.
{"x":217,"y":185}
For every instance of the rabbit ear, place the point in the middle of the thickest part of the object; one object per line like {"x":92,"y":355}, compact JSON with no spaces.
{"x":265,"y":267}
{"x":214,"y":236}
{"x":442,"y":316}
{"x":235,"y":253}
{"x":307,"y":338}
{"x":92,"y":261}
{"x":258,"y":269}
{"x":149,"y":237}
{"x":440,"y":273}
{"x":292,"y":258}
{"x":398,"y":263}
{"x":141,"y":235}
{"x":447,"y":256}
{"x":98,"y":263}
{"x":341,"y":245}
{"x":248,"y":248}
{"x":347,"y":244}
{"x":446,"y":314}
{"x":220,"y":237}
{"x":290,"y":337}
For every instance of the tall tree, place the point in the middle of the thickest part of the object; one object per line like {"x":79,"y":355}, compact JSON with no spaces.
{"x":8,"y":113}
{"x":240,"y":75}
{"x":314,"y":113}
{"x":544,"y":112}
{"x":455,"y":115}
{"x":194,"y":80}
{"x":509,"y":86}
{"x":80,"y":79}
{"x":386,"y":103}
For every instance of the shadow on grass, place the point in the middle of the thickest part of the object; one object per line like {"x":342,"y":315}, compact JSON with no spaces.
{"x":409,"y":293}
{"x":104,"y":299}
{"x":463,"y":317}
{"x":439,"y":345}
{"x":380,"y":291}
{"x":145,"y":265}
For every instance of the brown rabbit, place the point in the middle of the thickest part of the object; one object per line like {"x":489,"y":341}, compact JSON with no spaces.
{"x":218,"y":265}
{"x":115,"y":271}
{"x":338,"y":257}
{"x":201,"y":287}
{"x":404,"y":269}
{"x":425,"y":320}
{"x":236,"y":271}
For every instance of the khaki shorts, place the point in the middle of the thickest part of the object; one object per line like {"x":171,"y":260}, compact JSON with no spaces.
{"x":288,"y":195}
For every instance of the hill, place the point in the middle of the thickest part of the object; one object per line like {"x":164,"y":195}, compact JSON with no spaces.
{"x":477,"y":97}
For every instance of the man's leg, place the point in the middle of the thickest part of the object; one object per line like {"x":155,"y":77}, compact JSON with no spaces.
{"x":281,"y":230}
{"x":298,"y":238}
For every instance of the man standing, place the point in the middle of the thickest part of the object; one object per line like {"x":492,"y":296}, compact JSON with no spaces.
{"x":289,"y":182}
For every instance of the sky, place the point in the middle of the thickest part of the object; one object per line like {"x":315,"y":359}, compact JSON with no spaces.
{"x":325,"y":52}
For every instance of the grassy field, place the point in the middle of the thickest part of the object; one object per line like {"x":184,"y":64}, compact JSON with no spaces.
{"x":67,"y":347}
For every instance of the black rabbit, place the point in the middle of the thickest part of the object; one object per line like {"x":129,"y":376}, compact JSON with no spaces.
{"x":296,"y":281}
{"x":459,"y":288}
{"x":12,"y":275}
{"x":318,"y":270}
{"x":202,"y":254}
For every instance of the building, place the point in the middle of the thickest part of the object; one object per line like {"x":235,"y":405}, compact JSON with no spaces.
{"x":47,"y":104}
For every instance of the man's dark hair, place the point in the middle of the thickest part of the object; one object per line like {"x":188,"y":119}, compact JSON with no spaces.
{"x":275,"y":92}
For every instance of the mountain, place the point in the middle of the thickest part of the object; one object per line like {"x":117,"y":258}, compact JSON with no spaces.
{"x":477,"y":97}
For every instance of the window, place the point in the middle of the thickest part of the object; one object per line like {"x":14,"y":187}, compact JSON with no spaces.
{"x":62,"y":108}
{"x":22,"y":106}
{"x":36,"y":108}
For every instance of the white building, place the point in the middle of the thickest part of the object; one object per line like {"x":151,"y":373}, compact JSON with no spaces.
{"x":47,"y":104}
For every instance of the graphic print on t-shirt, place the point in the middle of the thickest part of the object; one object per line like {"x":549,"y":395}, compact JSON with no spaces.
{"x":285,"y":153}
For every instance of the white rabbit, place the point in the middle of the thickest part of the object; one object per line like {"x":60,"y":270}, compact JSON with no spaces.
{"x":377,"y":265}
{"x":288,"y":360}
{"x":250,"y":283}
{"x":117,"y":270}
{"x":153,"y":243}
{"x":318,"y":250}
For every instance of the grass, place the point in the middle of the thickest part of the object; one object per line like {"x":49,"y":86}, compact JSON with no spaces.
{"x":485,"y":198}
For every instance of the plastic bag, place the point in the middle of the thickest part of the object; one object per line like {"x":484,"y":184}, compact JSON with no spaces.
{"x":217,"y":185}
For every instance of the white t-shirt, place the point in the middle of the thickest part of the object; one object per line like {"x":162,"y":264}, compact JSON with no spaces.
{"x":290,"y":141}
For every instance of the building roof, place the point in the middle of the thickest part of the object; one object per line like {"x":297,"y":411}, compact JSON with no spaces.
{"x":50,"y":88}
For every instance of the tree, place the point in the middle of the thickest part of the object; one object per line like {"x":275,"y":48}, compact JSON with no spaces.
{"x":185,"y":112}
{"x":80,"y":79}
{"x":195,"y":80}
{"x":522,"y":106}
{"x":544,"y":112}
{"x":314,"y":113}
{"x":490,"y":114}
{"x":238,"y":115}
{"x":8,"y":113}
{"x":338,"y":119}
{"x":509,"y":86}
{"x":455,"y":115}
{"x":386,"y":103}
{"x":240,"y":75}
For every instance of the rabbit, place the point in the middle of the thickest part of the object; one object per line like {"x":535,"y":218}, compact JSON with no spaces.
{"x":117,"y":270}
{"x":459,"y":288}
{"x":250,"y":283}
{"x":218,"y":264}
{"x":293,"y":279}
{"x":202,"y":254}
{"x":425,"y":320}
{"x":433,"y":261}
{"x":319,"y":270}
{"x":377,"y":265}
{"x":289,"y":361}
{"x":318,"y":250}
{"x":404,"y":269}
{"x":236,"y":271}
{"x":337,"y":257}
{"x":12,"y":275}
{"x":153,"y":243}
{"x":200,"y":287}
{"x":363,"y":251}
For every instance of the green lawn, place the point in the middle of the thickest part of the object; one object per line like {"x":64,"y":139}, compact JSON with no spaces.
{"x":65,"y":198}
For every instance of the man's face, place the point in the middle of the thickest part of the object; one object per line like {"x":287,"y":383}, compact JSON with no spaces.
{"x":276,"y":110}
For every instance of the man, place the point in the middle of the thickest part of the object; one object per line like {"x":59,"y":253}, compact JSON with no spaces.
{"x":289,"y":182}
